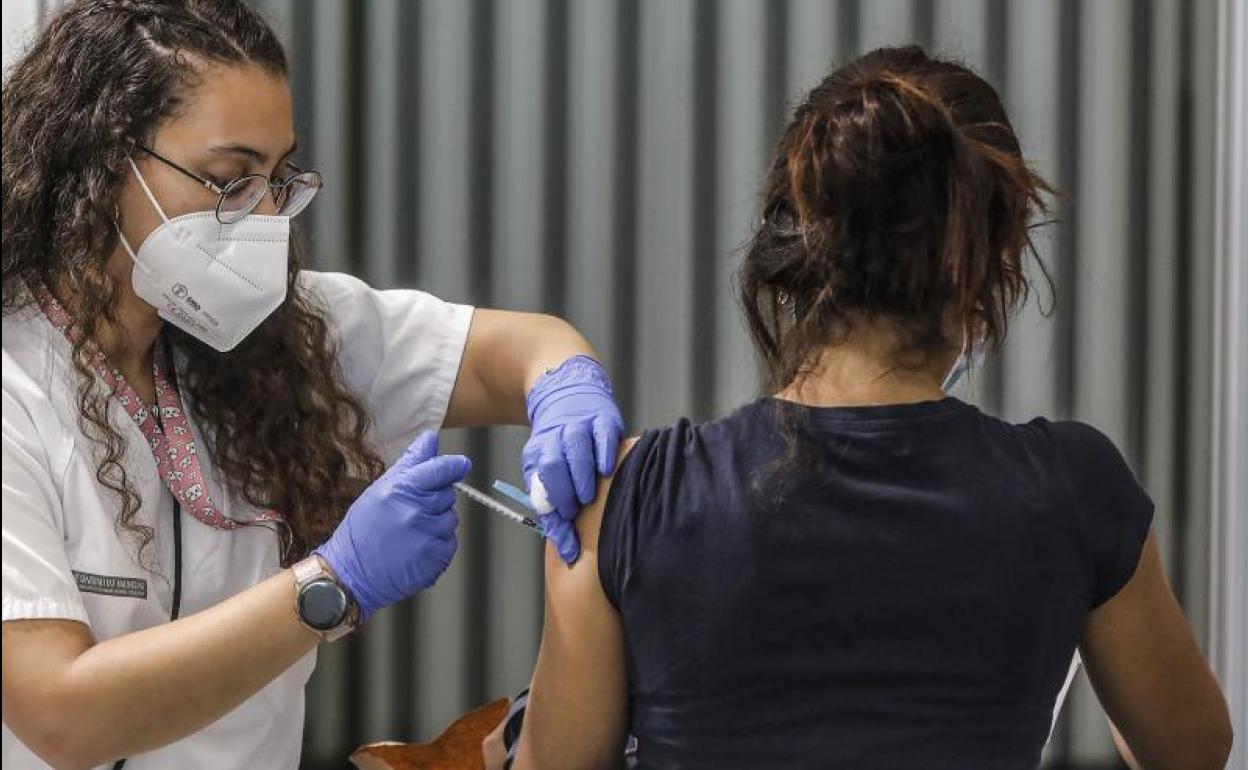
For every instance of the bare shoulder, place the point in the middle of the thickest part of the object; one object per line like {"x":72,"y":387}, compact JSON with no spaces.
{"x":588,"y":525}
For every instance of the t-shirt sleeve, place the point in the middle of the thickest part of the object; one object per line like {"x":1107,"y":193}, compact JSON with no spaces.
{"x":400,"y":350}
{"x":38,"y":582}
{"x":1114,"y":512}
{"x":641,"y":482}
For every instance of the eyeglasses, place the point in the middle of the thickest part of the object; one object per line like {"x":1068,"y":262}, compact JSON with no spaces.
{"x":239,"y":197}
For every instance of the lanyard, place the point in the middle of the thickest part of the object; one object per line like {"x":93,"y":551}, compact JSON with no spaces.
{"x":167,"y":431}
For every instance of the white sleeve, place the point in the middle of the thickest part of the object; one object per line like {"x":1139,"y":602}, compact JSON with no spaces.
{"x":38,"y":583}
{"x":399,"y":350}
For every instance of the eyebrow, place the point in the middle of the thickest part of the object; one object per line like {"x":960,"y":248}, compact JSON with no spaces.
{"x":249,"y":152}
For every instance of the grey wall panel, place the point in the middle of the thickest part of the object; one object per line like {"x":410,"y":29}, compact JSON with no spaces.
{"x":379,"y":689}
{"x":1101,"y":375}
{"x":279,"y":13}
{"x":1197,"y":363}
{"x":1229,"y":525}
{"x":21,"y":19}
{"x":885,"y":22}
{"x":740,"y":157}
{"x":960,"y":29}
{"x":1030,"y":355}
{"x":594,"y":135}
{"x":1160,"y":417}
{"x":814,"y":43}
{"x":518,"y":126}
{"x":333,"y":68}
{"x":383,"y":236}
{"x":665,"y":323}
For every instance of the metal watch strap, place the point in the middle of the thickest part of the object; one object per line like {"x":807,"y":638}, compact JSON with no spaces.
{"x":309,"y":570}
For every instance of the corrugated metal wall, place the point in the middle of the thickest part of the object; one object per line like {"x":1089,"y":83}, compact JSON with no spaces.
{"x":1228,"y":637}
{"x":599,"y":159}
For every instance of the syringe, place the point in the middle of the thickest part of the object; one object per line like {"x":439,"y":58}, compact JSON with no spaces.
{"x":478,"y":496}
{"x":517,"y":494}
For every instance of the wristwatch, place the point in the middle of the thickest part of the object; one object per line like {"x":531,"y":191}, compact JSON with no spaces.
{"x":321,"y":602}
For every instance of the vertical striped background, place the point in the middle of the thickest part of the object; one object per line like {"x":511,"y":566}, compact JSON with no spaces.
{"x":600,"y":158}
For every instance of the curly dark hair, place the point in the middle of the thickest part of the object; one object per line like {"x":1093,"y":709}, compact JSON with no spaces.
{"x":898,"y":191}
{"x":101,"y":77}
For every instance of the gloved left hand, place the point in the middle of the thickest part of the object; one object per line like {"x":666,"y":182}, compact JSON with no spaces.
{"x":576,"y":434}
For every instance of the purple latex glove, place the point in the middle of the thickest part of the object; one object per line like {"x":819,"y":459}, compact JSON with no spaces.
{"x":399,"y":535}
{"x":576,"y":434}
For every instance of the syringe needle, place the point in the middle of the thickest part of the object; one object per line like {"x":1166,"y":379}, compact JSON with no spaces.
{"x":480,"y":497}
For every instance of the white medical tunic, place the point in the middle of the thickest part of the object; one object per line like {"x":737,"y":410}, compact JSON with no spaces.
{"x":400,"y":351}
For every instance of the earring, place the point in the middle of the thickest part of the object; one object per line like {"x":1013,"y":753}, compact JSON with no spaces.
{"x":786,"y":300}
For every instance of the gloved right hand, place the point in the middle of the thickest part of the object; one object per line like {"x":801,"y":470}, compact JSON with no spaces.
{"x":399,"y":535}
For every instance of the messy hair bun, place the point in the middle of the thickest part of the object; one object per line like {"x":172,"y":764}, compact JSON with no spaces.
{"x":898,"y":192}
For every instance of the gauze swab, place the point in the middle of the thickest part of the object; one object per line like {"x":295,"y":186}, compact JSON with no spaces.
{"x":537,"y":493}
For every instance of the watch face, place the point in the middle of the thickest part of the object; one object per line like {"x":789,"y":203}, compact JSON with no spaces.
{"x":322,"y":604}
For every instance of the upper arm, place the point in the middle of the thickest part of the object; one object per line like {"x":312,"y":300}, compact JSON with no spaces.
{"x":474,"y":402}
{"x":505,"y":352}
{"x":577,"y":712}
{"x":1150,"y":675}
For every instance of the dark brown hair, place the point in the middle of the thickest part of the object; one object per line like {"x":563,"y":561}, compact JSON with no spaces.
{"x":898,"y":192}
{"x":105,"y":74}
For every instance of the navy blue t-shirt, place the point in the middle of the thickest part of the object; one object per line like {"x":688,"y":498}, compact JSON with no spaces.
{"x":906,"y":593}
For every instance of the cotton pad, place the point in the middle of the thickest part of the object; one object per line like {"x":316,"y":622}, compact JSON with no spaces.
{"x":537,"y":493}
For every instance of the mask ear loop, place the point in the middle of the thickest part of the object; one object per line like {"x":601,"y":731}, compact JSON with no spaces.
{"x":147,"y":190}
{"x":117,"y":215}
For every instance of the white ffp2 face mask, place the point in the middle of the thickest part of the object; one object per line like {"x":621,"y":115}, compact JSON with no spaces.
{"x":215,"y":282}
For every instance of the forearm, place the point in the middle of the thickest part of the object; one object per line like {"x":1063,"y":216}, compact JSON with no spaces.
{"x":147,"y":689}
{"x":505,"y":354}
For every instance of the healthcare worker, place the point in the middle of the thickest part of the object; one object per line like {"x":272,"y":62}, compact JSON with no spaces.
{"x":195,"y":428}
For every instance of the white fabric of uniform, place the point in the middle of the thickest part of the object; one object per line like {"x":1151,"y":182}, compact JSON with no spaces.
{"x":399,"y":350}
